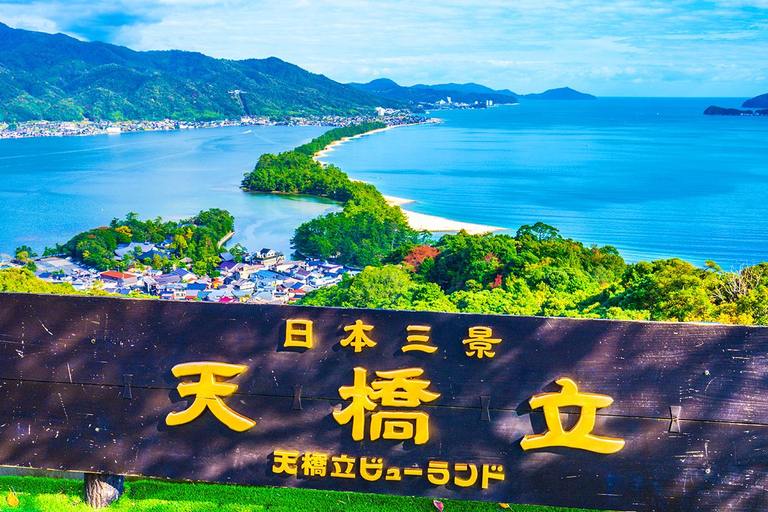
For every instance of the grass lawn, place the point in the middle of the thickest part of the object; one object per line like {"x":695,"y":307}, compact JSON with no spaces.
{"x":53,"y":494}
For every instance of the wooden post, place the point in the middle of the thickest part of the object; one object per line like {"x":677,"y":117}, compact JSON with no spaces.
{"x":101,"y":489}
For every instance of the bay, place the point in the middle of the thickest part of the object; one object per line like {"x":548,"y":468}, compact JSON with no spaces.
{"x":653,"y":177}
{"x":52,"y":188}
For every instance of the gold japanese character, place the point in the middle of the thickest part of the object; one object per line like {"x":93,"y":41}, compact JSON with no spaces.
{"x":400,"y":425}
{"x":413,"y":471}
{"x":580,"y":435}
{"x":359,"y":393}
{"x":299,"y":333}
{"x":480,"y":342}
{"x":358,"y":339}
{"x":285,"y":462}
{"x":420,"y":341}
{"x":343,"y":466}
{"x":438,"y":473}
{"x":314,"y":464}
{"x":491,"y":472}
{"x":401,"y":388}
{"x":393,"y":474}
{"x":395,"y":388}
{"x":469,"y":480}
{"x":372,"y":469}
{"x":208,"y":392}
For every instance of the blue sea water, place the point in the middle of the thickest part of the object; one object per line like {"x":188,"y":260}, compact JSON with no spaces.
{"x":53,"y":188}
{"x":651,"y":176}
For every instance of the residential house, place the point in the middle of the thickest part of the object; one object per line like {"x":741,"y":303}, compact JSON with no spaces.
{"x":268,"y":257}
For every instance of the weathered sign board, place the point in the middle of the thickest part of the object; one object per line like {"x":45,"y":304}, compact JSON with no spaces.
{"x":584,"y":413}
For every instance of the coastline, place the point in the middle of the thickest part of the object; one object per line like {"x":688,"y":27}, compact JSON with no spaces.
{"x":418,"y":221}
{"x":330,"y":147}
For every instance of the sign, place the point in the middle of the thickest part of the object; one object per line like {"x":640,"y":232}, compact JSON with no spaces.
{"x":568,"y":412}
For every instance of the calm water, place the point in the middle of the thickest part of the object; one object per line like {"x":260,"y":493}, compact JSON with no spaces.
{"x":653,"y":177}
{"x":53,"y":188}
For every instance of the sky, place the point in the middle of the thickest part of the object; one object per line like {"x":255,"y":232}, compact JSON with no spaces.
{"x":608,"y":48}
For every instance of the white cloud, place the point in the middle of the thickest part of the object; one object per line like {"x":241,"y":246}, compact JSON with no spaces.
{"x":602,"y":46}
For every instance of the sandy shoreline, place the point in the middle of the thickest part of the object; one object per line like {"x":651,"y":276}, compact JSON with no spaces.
{"x":330,"y":147}
{"x":418,"y":221}
{"x":422,"y":221}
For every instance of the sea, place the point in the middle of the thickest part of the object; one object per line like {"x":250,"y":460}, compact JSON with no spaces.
{"x":52,"y":188}
{"x":653,"y":177}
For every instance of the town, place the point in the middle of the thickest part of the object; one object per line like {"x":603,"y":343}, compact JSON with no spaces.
{"x":100,"y":127}
{"x":262,"y":277}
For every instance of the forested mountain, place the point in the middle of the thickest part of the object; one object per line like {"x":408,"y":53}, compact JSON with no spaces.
{"x":757,"y":102}
{"x":57,"y":77}
{"x":416,"y":94}
{"x":461,"y":93}
{"x":470,"y":87}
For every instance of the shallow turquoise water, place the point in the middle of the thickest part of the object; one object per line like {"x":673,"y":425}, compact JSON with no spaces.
{"x":53,"y":188}
{"x":653,"y":177}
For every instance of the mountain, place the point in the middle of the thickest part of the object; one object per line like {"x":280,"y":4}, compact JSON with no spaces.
{"x":563,"y":93}
{"x":417,"y":94}
{"x":757,"y":102}
{"x":468,"y":87}
{"x":59,"y":78}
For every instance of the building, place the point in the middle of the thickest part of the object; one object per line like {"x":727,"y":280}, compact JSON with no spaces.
{"x":268,"y":257}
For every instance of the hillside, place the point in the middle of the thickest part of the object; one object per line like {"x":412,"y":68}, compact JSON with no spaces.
{"x":416,"y":94}
{"x":756,"y":102}
{"x":60,"y":78}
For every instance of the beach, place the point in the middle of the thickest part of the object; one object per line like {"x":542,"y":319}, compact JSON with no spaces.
{"x":435,"y":224}
{"x":418,"y":221}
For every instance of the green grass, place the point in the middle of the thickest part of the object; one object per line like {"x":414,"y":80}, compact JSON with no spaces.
{"x":54,"y":494}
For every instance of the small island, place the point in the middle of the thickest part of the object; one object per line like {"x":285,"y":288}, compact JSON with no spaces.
{"x":720,"y":111}
{"x":758,"y":102}
{"x":562,"y":93}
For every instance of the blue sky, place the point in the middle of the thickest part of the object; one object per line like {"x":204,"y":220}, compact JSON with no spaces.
{"x":620,"y":47}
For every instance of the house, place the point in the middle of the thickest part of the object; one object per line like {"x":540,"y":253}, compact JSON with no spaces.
{"x":184,"y":274}
{"x":245,"y":271}
{"x":267,"y":278}
{"x":167,"y":279}
{"x":124,"y":249}
{"x":268,"y":257}
{"x":288,"y":266}
{"x":241,"y":295}
{"x":226,"y":267}
{"x":302,"y":275}
{"x":179,"y":291}
{"x":244,"y":285}
{"x":198,"y":287}
{"x":113,"y":278}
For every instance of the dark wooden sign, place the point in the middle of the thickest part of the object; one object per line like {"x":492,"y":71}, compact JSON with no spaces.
{"x":584,"y":413}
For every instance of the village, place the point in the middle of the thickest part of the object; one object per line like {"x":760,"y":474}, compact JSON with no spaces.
{"x":261,"y":277}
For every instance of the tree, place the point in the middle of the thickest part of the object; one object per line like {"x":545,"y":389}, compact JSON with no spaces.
{"x":24,"y":253}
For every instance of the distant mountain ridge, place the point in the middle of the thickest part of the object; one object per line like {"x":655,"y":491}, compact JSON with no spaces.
{"x":462,"y":93}
{"x":59,"y":78}
{"x":562,"y":93}
{"x":468,"y":88}
{"x":417,"y":94}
